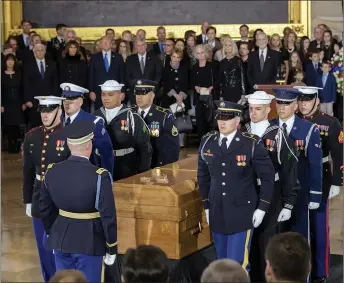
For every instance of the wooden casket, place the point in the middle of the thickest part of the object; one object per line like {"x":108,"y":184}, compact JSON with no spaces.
{"x":189,"y":164}
{"x":161,"y":207}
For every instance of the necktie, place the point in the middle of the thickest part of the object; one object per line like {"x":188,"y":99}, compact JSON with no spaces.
{"x":261,"y":60}
{"x":284,"y":125}
{"x":224,"y":145}
{"x":67,"y":122}
{"x":143,"y":114}
{"x":106,"y":62}
{"x":27,"y":41}
{"x":324,"y":80}
{"x":142,"y":65}
{"x":41,"y":69}
{"x":316,"y":66}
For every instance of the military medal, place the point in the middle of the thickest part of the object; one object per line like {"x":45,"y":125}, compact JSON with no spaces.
{"x":302,"y":144}
{"x":297,"y":144}
{"x":238,"y":158}
{"x":122,"y":125}
{"x":62,"y":144}
{"x":326,"y":130}
{"x":157,"y":129}
{"x":244,"y":160}
{"x":58,"y":145}
{"x":125,"y":125}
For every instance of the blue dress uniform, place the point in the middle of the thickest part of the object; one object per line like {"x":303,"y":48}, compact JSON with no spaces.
{"x":79,"y":213}
{"x":332,"y":139}
{"x":227,"y":186}
{"x":306,"y":137}
{"x":41,"y":147}
{"x":102,"y":154}
{"x":161,"y":122}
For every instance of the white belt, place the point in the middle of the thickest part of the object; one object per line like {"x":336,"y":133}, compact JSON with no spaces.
{"x":325,"y":159}
{"x":122,"y":152}
{"x":39,"y":177}
{"x":259,"y":182}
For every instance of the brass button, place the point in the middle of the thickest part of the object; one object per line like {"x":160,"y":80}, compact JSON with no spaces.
{"x":223,"y":184}
{"x":43,"y":158}
{"x":43,"y":151}
{"x":223,"y":194}
{"x":43,"y":173}
{"x":223,"y":174}
{"x":43,"y":165}
{"x":46,"y":136}
{"x":45,"y":144}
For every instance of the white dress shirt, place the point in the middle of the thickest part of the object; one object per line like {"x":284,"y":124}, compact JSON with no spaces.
{"x":108,"y":55}
{"x":212,"y":44}
{"x":71,"y":117}
{"x":82,"y":156}
{"x":229,"y":138}
{"x":259,"y":128}
{"x":112,"y":113}
{"x":25,"y":38}
{"x":59,"y":39}
{"x":265,"y":52}
{"x":38,"y":62}
{"x":146,"y":111}
{"x":289,"y":122}
{"x":204,"y":38}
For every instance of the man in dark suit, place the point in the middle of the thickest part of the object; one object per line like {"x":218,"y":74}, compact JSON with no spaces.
{"x":313,"y":68}
{"x":318,"y":39}
{"x":58,"y":42}
{"x":262,"y":64}
{"x":26,"y":55}
{"x":23,"y":39}
{"x":212,"y":40}
{"x":142,"y":66}
{"x":159,"y":47}
{"x":40,"y":75}
{"x":202,"y":38}
{"x":244,"y":30}
{"x":105,"y":65}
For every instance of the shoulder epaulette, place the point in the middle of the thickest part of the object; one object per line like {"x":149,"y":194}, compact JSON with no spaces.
{"x":328,"y":117}
{"x":34,"y":129}
{"x":211,"y":133}
{"x":250,"y":136}
{"x":161,"y":109}
{"x":50,"y":165}
{"x":101,"y":171}
{"x":133,"y":106}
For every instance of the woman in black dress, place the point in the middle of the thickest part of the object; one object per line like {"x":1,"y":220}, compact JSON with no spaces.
{"x":329,"y":45}
{"x":304,"y":52}
{"x":12,"y":102}
{"x":231,"y":74}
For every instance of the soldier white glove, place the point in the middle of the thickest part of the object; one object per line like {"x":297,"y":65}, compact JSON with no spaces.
{"x":334,"y":191}
{"x":313,"y":205}
{"x":109,"y":259}
{"x":258,"y":216}
{"x":207,"y":215}
{"x":28,"y":209}
{"x":284,"y":215}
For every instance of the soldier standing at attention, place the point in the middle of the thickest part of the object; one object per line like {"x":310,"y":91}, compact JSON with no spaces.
{"x":332,"y":139}
{"x":163,"y":132}
{"x":79,"y":213}
{"x":128,"y":132}
{"x":282,"y":152}
{"x":42,"y":146}
{"x":228,"y":161}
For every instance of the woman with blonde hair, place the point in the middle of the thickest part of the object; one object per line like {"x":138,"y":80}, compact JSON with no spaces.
{"x":231,"y":74}
{"x":275,"y":43}
{"x":220,"y":54}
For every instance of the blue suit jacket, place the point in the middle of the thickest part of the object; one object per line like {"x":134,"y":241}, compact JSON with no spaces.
{"x":306,"y":136}
{"x":311,"y":74}
{"x":101,"y":143}
{"x":329,"y":91}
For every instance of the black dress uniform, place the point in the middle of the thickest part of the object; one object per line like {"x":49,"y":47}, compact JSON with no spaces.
{"x":81,"y":229}
{"x":332,"y":139}
{"x":41,"y":147}
{"x":55,"y":46}
{"x":226,"y":178}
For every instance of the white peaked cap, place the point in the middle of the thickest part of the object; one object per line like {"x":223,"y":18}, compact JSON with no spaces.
{"x":307,"y":89}
{"x":49,"y":100}
{"x":259,"y":97}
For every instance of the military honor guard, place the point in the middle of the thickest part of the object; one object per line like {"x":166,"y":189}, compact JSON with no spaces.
{"x":128,"y":132}
{"x":102,"y":154}
{"x":161,"y":122}
{"x":283,"y":154}
{"x":228,"y":161}
{"x":78,"y":212}
{"x":42,"y":146}
{"x":332,"y":138}
{"x":306,"y":137}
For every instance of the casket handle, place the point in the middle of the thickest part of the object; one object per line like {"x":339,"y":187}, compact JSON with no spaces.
{"x":196,"y":230}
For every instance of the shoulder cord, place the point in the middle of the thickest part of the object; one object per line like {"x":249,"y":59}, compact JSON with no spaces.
{"x":308,"y":137}
{"x":208,"y":138}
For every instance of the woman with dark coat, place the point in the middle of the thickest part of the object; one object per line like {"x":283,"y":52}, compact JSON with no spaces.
{"x":12,"y":102}
{"x":73,"y":68}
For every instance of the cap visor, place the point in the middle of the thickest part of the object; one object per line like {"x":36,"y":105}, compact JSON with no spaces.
{"x":47,"y":108}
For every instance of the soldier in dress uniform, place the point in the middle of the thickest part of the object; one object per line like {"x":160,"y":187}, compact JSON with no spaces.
{"x":228,"y":161}
{"x":306,"y":137}
{"x":282,"y":152}
{"x":57,"y":43}
{"x":332,"y":139}
{"x":128,"y":132}
{"x":42,"y":146}
{"x":161,"y":122}
{"x":79,"y":213}
{"x":102,"y":154}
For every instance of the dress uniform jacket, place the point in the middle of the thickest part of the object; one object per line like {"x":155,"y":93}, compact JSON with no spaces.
{"x":102,"y":145}
{"x":164,"y":135}
{"x":227,"y":181}
{"x":130,"y":139}
{"x":79,"y":213}
{"x":332,"y":142}
{"x":54,"y":47}
{"x":41,"y":147}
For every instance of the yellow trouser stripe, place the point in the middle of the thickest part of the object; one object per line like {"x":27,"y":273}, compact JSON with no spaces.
{"x":73,"y":215}
{"x":111,"y":245}
{"x":245,"y":262}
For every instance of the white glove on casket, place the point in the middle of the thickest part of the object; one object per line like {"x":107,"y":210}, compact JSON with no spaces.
{"x":258,"y":216}
{"x":28,"y":209}
{"x":207,"y":215}
{"x":109,"y":259}
{"x":313,"y":205}
{"x":334,"y":191}
{"x":284,"y":215}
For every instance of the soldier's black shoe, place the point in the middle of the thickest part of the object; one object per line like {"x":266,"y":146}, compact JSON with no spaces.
{"x":319,"y":280}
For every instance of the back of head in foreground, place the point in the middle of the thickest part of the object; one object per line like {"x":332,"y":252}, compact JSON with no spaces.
{"x":224,"y":270}
{"x":288,"y":258}
{"x":68,"y":276}
{"x":146,"y":263}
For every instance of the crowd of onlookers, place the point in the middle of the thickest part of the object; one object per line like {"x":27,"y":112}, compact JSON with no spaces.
{"x":288,"y":259}
{"x":186,"y":69}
